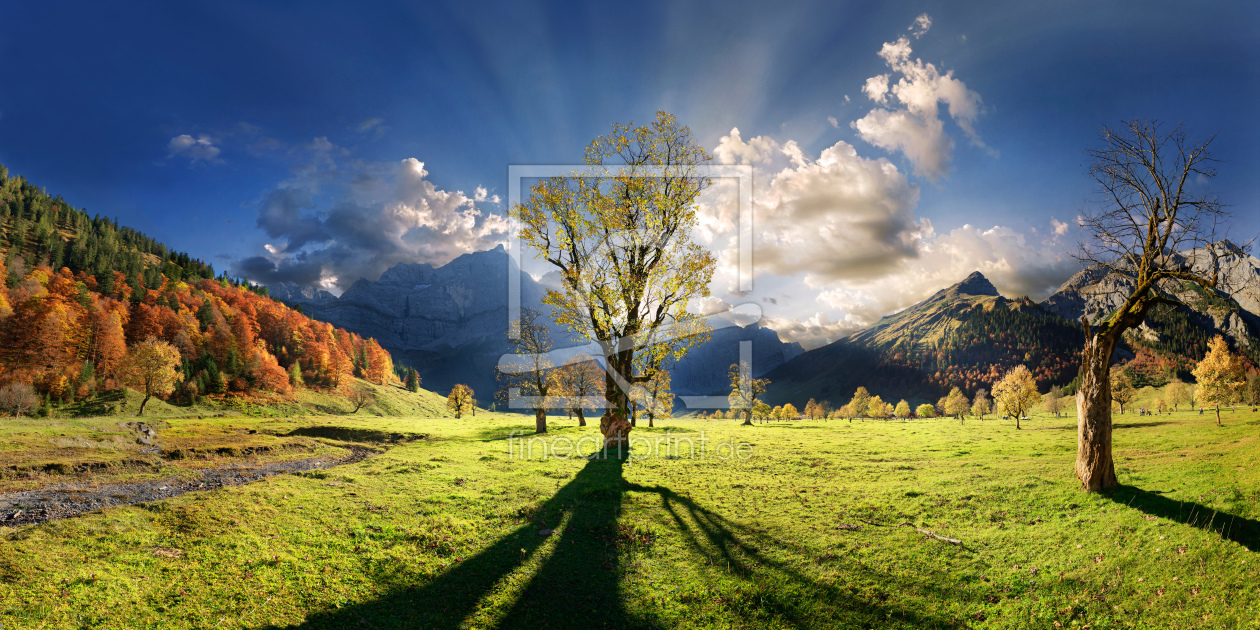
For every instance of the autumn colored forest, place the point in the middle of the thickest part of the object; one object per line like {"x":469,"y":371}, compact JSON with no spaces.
{"x":77,"y":292}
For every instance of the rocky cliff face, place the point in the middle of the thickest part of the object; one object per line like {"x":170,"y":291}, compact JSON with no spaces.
{"x":448,"y":322}
{"x":1232,"y":309}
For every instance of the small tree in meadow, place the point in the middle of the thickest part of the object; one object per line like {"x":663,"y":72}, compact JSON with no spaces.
{"x":1016,"y":393}
{"x":956,"y":403}
{"x":745,"y":390}
{"x":1221,"y":377}
{"x":1053,"y":401}
{"x":761,"y":411}
{"x":790,"y":412}
{"x":811,"y":409}
{"x":903,"y":410}
{"x":1177,"y":394}
{"x":877,"y":408}
{"x":1160,"y":405}
{"x":925,"y":411}
{"x":149,"y":367}
{"x":18,"y":399}
{"x":860,"y":403}
{"x":360,"y":396}
{"x":461,"y":399}
{"x":981,"y":406}
{"x":1122,"y":390}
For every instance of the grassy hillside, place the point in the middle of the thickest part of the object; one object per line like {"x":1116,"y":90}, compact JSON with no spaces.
{"x":806,"y":532}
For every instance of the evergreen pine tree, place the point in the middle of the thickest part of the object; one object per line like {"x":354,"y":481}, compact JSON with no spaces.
{"x":295,"y":374}
{"x":233,"y":366}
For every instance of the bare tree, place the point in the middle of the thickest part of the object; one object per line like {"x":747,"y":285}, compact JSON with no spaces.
{"x":578,"y":380}
{"x":18,"y":398}
{"x":745,"y":390}
{"x":359,"y":396}
{"x":530,"y":370}
{"x":1151,"y":208}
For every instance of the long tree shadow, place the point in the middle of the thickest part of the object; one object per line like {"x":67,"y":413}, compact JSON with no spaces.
{"x":576,"y":587}
{"x":579,"y":583}
{"x":1244,"y":531}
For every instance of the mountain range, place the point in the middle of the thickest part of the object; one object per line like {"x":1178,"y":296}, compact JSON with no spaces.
{"x":968,"y":334}
{"x":449,"y":322}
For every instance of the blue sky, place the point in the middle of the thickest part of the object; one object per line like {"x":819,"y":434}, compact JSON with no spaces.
{"x":224,"y":128}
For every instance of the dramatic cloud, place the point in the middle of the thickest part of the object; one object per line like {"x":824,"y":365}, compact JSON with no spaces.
{"x":197,"y":149}
{"x":1015,"y":264}
{"x":377,"y":215}
{"x":840,"y":216}
{"x":915,"y":127}
{"x":840,"y":232}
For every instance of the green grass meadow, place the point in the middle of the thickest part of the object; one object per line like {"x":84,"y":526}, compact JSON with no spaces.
{"x":803,"y":531}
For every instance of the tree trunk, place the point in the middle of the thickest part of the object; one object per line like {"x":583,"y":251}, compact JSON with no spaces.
{"x":616,"y":431}
{"x":1218,"y":414}
{"x":651,"y":420}
{"x":748,"y":418}
{"x":581,"y":417}
{"x":1094,"y":466}
{"x":147,"y":397}
{"x":1017,"y":420}
{"x":540,"y":421}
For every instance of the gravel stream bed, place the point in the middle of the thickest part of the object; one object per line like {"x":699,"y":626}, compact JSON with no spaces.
{"x":66,"y":500}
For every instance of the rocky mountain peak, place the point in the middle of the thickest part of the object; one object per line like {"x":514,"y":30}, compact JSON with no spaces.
{"x":976,"y":284}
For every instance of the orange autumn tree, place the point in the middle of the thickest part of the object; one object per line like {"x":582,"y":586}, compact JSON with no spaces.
{"x":61,"y":334}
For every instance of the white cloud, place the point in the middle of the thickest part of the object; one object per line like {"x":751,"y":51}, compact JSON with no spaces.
{"x":922,"y":141}
{"x":732,"y":149}
{"x":835,"y":216}
{"x":710,"y":305}
{"x":811,"y":332}
{"x":915,"y":128}
{"x":920,"y":26}
{"x":481,"y":194}
{"x":387,"y":213}
{"x":1015,"y":264}
{"x":1060,"y":228}
{"x":196,"y":149}
{"x":834,"y":123}
{"x":876,"y":88}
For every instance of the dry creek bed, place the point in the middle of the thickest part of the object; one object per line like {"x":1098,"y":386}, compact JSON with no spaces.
{"x":66,"y":500}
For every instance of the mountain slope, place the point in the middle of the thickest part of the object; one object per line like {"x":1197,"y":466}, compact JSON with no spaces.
{"x":448,"y":322}
{"x":968,"y":335}
{"x":964,"y":336}
{"x":77,"y":293}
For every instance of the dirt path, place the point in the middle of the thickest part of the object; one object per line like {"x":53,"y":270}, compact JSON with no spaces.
{"x":66,"y":500}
